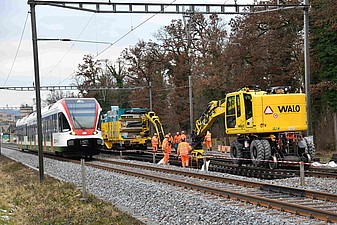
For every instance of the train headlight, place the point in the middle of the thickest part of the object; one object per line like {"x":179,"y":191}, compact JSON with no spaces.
{"x":95,"y":132}
{"x":99,"y":141}
{"x":70,"y":142}
{"x":72,"y":133}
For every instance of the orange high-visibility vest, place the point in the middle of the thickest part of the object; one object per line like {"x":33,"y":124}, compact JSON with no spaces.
{"x":176,"y":139}
{"x":165,"y":146}
{"x":208,"y":137}
{"x":184,"y":148}
{"x":154,"y":140}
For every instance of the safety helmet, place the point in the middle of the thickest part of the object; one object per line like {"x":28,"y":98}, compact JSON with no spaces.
{"x":167,"y":136}
{"x":177,"y":133}
{"x":155,"y":134}
{"x":183,"y":132}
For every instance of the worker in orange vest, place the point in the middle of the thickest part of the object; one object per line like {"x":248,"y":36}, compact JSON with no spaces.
{"x":183,"y":135}
{"x":176,"y":140}
{"x":183,"y":150}
{"x":208,"y":140}
{"x":155,"y":143}
{"x":166,"y":149}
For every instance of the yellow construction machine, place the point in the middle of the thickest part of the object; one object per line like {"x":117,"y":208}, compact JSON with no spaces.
{"x":268,"y":124}
{"x":129,"y":128}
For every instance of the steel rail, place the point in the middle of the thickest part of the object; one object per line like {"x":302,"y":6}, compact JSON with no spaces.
{"x":256,"y":200}
{"x":276,"y":188}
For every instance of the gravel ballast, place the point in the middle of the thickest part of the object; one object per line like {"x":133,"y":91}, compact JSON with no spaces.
{"x":158,"y":203}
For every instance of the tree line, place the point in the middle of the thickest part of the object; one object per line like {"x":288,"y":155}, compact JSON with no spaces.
{"x":222,"y":56}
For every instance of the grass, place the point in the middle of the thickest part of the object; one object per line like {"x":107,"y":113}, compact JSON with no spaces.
{"x":24,"y":200}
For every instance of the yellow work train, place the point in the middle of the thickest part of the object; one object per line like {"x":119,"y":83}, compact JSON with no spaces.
{"x":129,"y":128}
{"x":268,"y":124}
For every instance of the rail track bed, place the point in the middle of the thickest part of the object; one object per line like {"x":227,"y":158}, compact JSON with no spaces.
{"x":213,"y":186}
{"x":313,"y":204}
{"x":224,"y":165}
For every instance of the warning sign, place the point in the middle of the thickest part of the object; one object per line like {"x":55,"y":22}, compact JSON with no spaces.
{"x":268,"y":110}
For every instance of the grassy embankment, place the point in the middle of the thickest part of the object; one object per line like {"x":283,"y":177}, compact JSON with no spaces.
{"x":23,"y":200}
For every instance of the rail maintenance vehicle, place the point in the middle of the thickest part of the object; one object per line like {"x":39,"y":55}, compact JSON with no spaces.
{"x":129,"y":128}
{"x":269,"y":126}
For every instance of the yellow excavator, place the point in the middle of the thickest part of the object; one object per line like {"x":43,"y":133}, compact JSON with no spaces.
{"x":269,"y":126}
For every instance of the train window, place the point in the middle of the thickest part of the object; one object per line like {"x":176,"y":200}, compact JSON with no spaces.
{"x":63,"y":123}
{"x":82,"y":113}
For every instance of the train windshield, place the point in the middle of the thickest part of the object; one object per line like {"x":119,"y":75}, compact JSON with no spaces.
{"x":82,"y":112}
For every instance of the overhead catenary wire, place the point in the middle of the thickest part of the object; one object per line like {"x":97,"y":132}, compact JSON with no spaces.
{"x":134,"y":28}
{"x":17,"y":50}
{"x":122,"y":37}
{"x":70,"y":49}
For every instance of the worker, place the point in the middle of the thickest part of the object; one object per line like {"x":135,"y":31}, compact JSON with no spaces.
{"x":155,"y":143}
{"x":183,"y":135}
{"x":166,"y":149}
{"x":183,"y":150}
{"x":170,"y":141}
{"x":176,"y":140}
{"x":208,"y":140}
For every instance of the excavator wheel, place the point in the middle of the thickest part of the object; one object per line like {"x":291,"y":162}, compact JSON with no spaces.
{"x":236,"y":152}
{"x":267,"y":151}
{"x":310,"y":148}
{"x":257,"y":152}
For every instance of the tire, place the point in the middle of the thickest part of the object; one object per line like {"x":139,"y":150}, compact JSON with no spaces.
{"x":310,"y":148}
{"x":267,"y":151}
{"x":272,"y":163}
{"x":257,"y":152}
{"x":236,"y":152}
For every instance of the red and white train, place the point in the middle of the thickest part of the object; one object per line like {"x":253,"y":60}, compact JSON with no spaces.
{"x":70,"y":127}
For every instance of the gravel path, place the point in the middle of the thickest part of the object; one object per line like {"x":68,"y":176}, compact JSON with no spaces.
{"x":157,"y":203}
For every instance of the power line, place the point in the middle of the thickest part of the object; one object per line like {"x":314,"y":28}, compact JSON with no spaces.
{"x":17,"y":50}
{"x":70,"y":48}
{"x":130,"y":31}
{"x":126,"y":34}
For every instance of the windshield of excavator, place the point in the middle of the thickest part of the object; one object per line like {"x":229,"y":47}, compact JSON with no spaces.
{"x":82,"y":112}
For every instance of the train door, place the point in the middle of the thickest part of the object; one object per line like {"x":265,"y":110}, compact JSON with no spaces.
{"x":234,"y":113}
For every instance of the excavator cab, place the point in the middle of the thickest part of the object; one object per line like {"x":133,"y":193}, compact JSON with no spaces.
{"x":239,"y":112}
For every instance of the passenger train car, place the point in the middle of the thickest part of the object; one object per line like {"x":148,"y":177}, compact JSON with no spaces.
{"x":70,"y":128}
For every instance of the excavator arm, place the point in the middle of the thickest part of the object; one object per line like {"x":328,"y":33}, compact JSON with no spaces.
{"x":154,"y":119}
{"x":206,"y":120}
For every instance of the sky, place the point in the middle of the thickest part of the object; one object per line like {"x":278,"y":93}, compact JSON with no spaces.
{"x":58,"y":61}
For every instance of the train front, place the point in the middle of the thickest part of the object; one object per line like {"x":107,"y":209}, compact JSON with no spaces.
{"x":83,"y":115}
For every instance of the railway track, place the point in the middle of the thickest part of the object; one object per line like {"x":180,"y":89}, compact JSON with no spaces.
{"x":223,"y":165}
{"x":313,"y":204}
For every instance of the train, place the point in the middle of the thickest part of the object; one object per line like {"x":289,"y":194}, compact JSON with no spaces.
{"x":70,"y":128}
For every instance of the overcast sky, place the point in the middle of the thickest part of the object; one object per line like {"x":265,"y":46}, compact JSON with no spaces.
{"x":59,"y":60}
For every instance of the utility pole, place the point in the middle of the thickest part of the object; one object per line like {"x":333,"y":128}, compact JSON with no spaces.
{"x":307,"y":65}
{"x":37,"y":89}
{"x":191,"y":101}
{"x":150,"y":93}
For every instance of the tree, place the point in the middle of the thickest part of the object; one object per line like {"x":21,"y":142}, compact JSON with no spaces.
{"x":266,"y":49}
{"x":323,"y":30}
{"x":88,"y":76}
{"x":54,"y":96}
{"x":145,"y":67}
{"x":94,"y":74}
